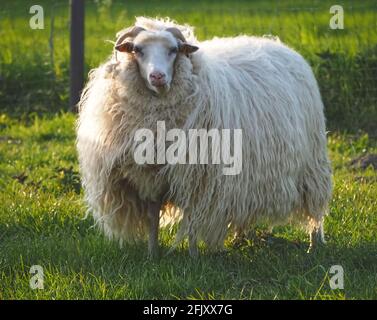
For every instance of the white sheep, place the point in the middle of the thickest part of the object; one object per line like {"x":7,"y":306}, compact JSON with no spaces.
{"x":254,"y":84}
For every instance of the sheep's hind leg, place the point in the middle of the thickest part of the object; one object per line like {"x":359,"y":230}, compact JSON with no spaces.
{"x":317,"y":238}
{"x":154,"y":221}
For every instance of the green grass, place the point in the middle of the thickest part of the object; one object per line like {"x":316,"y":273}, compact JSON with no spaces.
{"x":41,"y":223}
{"x":41,"y":202}
{"x":344,"y":61}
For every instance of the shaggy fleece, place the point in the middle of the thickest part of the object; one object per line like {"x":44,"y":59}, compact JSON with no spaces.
{"x":255,"y":84}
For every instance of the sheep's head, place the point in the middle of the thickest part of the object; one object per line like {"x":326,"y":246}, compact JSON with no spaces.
{"x":155,"y":53}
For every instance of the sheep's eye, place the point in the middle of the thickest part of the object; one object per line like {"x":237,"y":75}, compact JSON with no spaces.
{"x":173,"y":51}
{"x":138,"y":51}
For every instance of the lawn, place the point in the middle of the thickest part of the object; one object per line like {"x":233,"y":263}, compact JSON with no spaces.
{"x":42,"y":214}
{"x":36,"y":62}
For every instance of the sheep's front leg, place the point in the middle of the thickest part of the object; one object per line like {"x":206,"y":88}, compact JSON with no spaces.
{"x":193,"y":247}
{"x":154,"y":221}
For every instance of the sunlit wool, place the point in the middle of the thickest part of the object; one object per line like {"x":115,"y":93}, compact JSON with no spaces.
{"x":255,"y":84}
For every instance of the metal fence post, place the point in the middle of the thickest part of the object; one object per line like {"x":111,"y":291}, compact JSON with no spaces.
{"x":76,"y":51}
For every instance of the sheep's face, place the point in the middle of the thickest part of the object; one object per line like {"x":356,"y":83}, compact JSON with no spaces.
{"x":155,"y":53}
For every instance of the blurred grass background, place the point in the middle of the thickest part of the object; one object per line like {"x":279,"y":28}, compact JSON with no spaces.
{"x":34,"y":63}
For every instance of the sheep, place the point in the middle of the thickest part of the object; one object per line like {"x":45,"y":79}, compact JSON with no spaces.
{"x":159,"y":71}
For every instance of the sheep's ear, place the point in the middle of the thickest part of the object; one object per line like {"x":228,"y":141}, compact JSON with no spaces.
{"x":187,"y":48}
{"x":125,"y":47}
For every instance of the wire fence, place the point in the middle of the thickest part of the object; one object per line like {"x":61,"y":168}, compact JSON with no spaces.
{"x":34,"y":64}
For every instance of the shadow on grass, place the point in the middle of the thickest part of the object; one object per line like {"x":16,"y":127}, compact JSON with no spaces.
{"x":281,"y":268}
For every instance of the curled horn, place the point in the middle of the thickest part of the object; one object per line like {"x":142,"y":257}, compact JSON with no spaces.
{"x":183,"y":46}
{"x":176,"y":33}
{"x":131,"y":32}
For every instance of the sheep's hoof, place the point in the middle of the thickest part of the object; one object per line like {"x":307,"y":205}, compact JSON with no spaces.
{"x":313,"y":248}
{"x":193,"y":247}
{"x":316,"y":247}
{"x":193,"y":251}
{"x":154,"y":253}
{"x":316,"y":241}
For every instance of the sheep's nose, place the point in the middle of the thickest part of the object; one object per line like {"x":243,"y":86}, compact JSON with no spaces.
{"x":157,"y":78}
